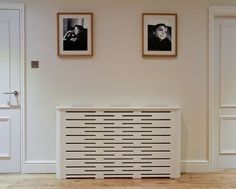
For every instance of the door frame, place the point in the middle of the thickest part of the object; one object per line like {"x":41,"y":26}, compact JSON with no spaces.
{"x":21,"y":9}
{"x":214,"y":12}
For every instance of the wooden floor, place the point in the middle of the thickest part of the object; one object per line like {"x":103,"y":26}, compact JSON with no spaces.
{"x":222,"y":180}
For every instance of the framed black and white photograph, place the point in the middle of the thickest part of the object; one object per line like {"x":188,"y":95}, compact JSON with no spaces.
{"x":75,"y":34}
{"x":159,"y":35}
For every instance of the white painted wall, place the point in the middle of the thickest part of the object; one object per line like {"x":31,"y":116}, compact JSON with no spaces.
{"x":117,"y":74}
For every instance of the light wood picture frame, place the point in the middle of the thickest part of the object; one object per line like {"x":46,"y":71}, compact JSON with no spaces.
{"x":159,"y":34}
{"x":74,"y":34}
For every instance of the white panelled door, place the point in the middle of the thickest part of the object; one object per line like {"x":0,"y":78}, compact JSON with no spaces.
{"x":10,"y":119}
{"x":224,"y":93}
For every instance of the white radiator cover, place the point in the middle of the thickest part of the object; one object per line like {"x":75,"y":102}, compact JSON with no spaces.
{"x":110,"y":142}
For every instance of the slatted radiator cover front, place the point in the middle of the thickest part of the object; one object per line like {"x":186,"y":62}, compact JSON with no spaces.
{"x":118,"y":142}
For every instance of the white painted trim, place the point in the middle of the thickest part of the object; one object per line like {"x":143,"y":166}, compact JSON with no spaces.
{"x":4,"y":118}
{"x":23,"y":81}
{"x":210,"y":105}
{"x":224,"y":152}
{"x":195,"y":166}
{"x":39,"y":167}
{"x":4,"y":106}
{"x":228,"y":106}
{"x":4,"y":155}
{"x":213,"y":12}
{"x":12,"y":6}
{"x":22,"y":92}
{"x":228,"y":117}
{"x":187,"y":166}
{"x":160,"y":107}
{"x":40,"y":162}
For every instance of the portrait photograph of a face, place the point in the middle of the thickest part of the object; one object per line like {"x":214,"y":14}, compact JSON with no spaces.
{"x":159,"y":34}
{"x":75,"y":32}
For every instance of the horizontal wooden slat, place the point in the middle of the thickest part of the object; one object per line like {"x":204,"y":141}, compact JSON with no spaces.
{"x":159,"y":163}
{"x":119,"y":146}
{"x":116,"y":154}
{"x":144,"y":171}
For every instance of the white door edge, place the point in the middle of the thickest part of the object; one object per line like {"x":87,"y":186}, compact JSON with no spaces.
{"x":20,"y":7}
{"x":213,"y":12}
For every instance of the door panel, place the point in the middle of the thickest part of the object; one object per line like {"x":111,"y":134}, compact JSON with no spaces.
{"x":227,"y":135}
{"x":224,"y":90}
{"x":5,"y":135}
{"x":227,"y":64}
{"x":4,"y":58}
{"x":9,"y":82}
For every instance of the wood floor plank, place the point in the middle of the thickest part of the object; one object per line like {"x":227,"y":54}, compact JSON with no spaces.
{"x":216,"y":180}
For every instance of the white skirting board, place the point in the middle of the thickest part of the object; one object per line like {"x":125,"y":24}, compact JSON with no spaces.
{"x":195,"y":166}
{"x":187,"y":166}
{"x":39,"y":167}
{"x":110,"y":142}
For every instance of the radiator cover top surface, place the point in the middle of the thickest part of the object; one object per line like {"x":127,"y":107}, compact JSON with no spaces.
{"x":118,"y":142}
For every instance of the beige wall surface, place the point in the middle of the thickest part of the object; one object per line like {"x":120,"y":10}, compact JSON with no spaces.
{"x":117,"y":74}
